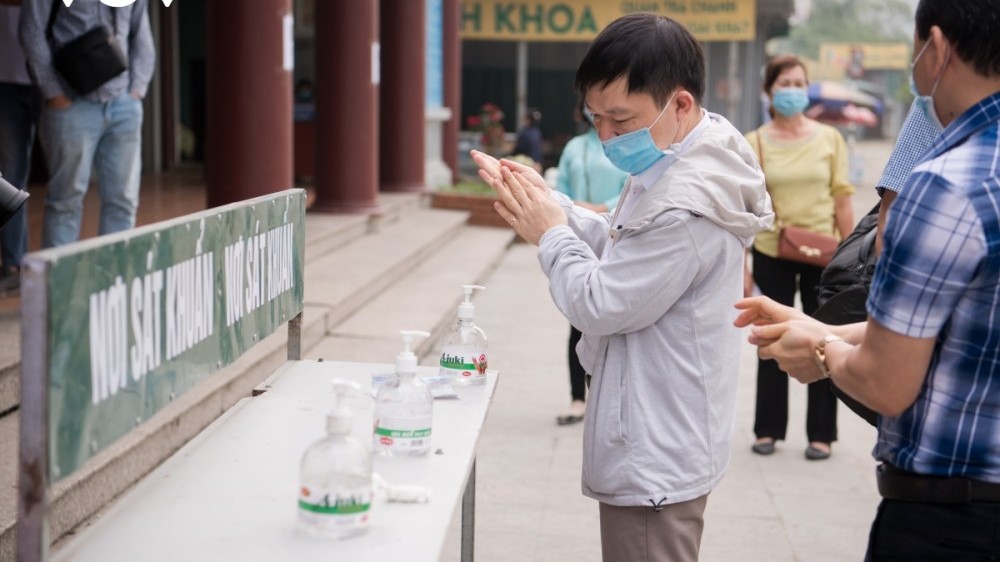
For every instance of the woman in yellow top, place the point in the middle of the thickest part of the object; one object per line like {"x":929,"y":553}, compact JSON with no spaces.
{"x":805,"y":166}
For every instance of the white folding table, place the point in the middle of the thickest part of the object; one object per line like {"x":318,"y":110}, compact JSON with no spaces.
{"x":231,"y":493}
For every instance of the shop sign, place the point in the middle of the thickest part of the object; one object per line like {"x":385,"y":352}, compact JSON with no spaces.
{"x":871,"y":56}
{"x":582,"y":20}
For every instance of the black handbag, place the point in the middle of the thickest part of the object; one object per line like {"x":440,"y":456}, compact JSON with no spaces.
{"x":90,"y":60}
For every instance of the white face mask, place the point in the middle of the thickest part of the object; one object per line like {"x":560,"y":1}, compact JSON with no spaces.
{"x":926,"y":103}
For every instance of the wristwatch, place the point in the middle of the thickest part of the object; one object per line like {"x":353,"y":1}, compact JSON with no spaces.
{"x":819,"y":353}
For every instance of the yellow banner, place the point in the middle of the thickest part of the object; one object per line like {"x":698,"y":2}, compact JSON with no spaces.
{"x":581,"y":20}
{"x":865,"y":56}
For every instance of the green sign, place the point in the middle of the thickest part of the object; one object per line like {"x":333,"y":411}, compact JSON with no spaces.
{"x":138,"y":318}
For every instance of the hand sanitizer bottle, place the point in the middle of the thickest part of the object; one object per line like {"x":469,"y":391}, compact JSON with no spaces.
{"x":463,"y":355}
{"x":404,"y":408}
{"x":336,"y":476}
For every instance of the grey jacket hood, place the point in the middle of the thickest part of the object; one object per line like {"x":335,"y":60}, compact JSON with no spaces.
{"x":716,"y":177}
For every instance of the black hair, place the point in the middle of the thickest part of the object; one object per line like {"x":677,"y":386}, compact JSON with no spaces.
{"x":656,"y":53}
{"x":971,"y":26}
{"x":534,"y":115}
{"x":778,"y":65}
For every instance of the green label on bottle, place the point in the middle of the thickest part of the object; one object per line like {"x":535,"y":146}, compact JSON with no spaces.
{"x":403,"y":433}
{"x":458,"y":366}
{"x":341,"y":506}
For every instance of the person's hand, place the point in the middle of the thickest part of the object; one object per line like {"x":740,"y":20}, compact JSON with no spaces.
{"x":792,"y":345}
{"x":136,"y":95}
{"x":531,"y":174}
{"x":761,"y":311}
{"x":489,"y":169}
{"x":525,"y":206}
{"x":59,"y":102}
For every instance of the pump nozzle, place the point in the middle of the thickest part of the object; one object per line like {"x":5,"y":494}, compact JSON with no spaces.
{"x":339,"y":418}
{"x":466,"y":310}
{"x":406,"y":361}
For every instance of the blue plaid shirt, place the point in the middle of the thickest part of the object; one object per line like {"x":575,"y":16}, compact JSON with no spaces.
{"x":939,"y":276}
{"x":912,"y":143}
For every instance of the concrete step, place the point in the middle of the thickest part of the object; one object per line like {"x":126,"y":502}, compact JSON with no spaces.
{"x":8,"y":481}
{"x":10,"y":357}
{"x":328,"y":232}
{"x":425,"y":298}
{"x":342,"y":282}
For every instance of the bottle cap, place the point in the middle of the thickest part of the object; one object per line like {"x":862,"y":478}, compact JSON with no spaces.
{"x":466,"y":310}
{"x":406,"y":361}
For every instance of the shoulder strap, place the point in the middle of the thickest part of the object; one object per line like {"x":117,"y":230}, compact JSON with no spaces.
{"x":52,"y":19}
{"x":760,"y":160}
{"x":760,"y":153}
{"x":55,"y":10}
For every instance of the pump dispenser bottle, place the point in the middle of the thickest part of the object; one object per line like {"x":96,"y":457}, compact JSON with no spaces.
{"x":463,"y":355}
{"x":404,"y":408}
{"x":336,"y":475}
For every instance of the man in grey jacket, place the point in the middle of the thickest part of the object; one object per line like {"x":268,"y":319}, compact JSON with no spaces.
{"x":651,"y":286}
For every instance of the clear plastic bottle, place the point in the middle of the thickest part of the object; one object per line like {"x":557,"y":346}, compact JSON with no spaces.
{"x":463,"y":353}
{"x":336,"y":491}
{"x":404,"y":408}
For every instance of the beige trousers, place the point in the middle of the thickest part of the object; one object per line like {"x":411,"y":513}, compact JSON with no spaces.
{"x":642,"y":534}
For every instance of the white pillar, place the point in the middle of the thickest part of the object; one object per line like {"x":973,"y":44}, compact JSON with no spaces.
{"x":437,"y":174}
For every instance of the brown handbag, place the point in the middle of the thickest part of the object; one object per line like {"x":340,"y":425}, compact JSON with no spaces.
{"x":805,"y":246}
{"x":796,"y":243}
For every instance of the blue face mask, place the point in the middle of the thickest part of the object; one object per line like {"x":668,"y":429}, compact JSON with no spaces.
{"x":926,"y":103}
{"x":790,"y":101}
{"x":635,"y":152}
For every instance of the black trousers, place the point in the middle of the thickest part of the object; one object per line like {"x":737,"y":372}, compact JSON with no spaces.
{"x":913,"y":532}
{"x":577,"y":385}
{"x":779,"y":279}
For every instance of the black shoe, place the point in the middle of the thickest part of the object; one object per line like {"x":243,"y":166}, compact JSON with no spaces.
{"x":575,"y":414}
{"x":817,"y":454}
{"x":763,"y":447}
{"x":568,"y":420}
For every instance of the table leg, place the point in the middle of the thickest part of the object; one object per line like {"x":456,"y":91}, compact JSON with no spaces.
{"x":469,"y":516}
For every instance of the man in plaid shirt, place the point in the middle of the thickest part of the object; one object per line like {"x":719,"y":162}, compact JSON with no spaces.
{"x":928,"y":358}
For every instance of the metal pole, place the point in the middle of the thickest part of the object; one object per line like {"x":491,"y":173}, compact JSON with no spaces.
{"x":33,"y":465}
{"x":295,"y":338}
{"x":732,"y":75}
{"x":469,"y":517}
{"x":522,"y":83}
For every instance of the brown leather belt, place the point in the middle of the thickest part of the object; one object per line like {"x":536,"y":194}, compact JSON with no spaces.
{"x":896,"y":484}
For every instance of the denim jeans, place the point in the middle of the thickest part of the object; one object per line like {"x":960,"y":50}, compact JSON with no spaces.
{"x":18,"y":111}
{"x":105,"y":137}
